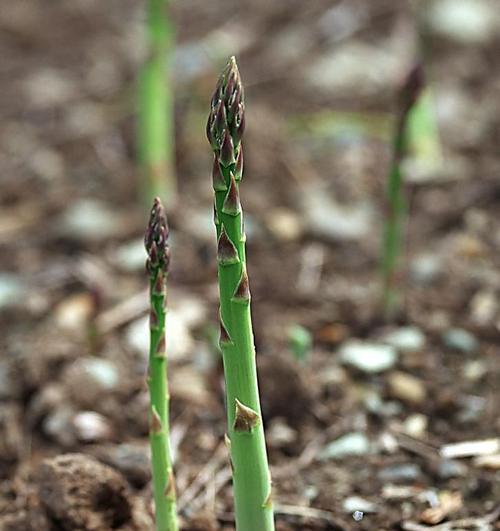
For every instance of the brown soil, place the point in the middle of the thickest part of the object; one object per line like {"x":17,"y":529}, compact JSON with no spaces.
{"x":73,"y":402}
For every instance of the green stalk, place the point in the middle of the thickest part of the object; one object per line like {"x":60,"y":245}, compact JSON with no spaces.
{"x":396,"y":211}
{"x":157,"y":268}
{"x":155,"y":126}
{"x":251,"y":478}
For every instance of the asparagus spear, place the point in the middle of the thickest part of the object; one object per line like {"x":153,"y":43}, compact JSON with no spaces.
{"x":251,"y":478}
{"x":157,"y":267}
{"x":155,"y":108}
{"x":407,"y":97}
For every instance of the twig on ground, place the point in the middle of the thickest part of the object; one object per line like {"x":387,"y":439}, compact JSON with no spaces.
{"x":203,"y":477}
{"x":476,"y":523}
{"x":470,"y":448}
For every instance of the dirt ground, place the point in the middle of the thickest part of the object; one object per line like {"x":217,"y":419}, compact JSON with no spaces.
{"x":361,"y":434}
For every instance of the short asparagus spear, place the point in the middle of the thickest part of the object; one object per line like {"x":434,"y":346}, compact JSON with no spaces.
{"x":251,"y":479}
{"x":394,"y":223}
{"x":157,"y":267}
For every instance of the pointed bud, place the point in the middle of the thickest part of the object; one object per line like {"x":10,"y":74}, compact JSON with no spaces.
{"x":268,"y":502}
{"x":161,"y":347}
{"x":153,"y":319}
{"x":238,"y":125}
{"x":218,"y":181}
{"x":238,"y":170}
{"x":153,"y":255}
{"x":169,"y":491}
{"x":231,"y":205}
{"x":411,"y":88}
{"x":220,"y":122}
{"x":209,"y":129}
{"x":155,"y":424}
{"x":216,"y":97}
{"x":224,"y":338}
{"x":245,"y":418}
{"x":226,"y":157}
{"x":242,"y":291}
{"x":159,"y":284}
{"x":226,"y":251}
{"x":227,"y":441}
{"x":234,"y":103}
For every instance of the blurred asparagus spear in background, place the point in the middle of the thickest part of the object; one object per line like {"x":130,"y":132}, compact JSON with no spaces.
{"x":155,"y":127}
{"x":408,"y":95}
{"x":251,"y":478}
{"x":157,"y":268}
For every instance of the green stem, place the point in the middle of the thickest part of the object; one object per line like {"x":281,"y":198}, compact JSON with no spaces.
{"x":396,"y":205}
{"x":163,"y":476}
{"x":155,"y":116}
{"x":251,"y":478}
{"x":393,"y":226}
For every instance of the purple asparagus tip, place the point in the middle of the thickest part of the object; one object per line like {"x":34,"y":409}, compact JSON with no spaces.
{"x":156,"y":238}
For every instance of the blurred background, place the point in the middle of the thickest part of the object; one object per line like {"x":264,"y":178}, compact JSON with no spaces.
{"x":361,"y":413}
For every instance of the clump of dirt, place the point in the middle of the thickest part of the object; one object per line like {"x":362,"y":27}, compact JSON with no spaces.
{"x":75,"y":492}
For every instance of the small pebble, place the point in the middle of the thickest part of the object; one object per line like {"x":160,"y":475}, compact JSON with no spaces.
{"x":406,"y":387}
{"x":460,"y":339}
{"x":475,"y":370}
{"x":370,"y":358}
{"x":355,"y":443}
{"x":356,"y":504}
{"x":426,"y":268}
{"x":130,"y":256}
{"x":402,"y":472}
{"x":450,"y":468}
{"x":74,"y":312}
{"x":465,"y":21}
{"x":90,"y":426}
{"x":90,"y":220}
{"x":358,"y":515}
{"x":416,"y":425}
{"x":11,"y":289}
{"x":406,"y":339}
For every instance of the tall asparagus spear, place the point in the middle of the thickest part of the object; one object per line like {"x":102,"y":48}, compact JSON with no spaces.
{"x":157,"y":267}
{"x":251,"y":478}
{"x":155,"y":120}
{"x":407,"y":97}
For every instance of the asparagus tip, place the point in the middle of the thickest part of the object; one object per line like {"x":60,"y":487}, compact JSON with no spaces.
{"x":155,"y":239}
{"x":411,"y":87}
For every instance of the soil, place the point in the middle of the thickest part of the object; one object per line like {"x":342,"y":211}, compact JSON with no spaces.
{"x":73,"y":415}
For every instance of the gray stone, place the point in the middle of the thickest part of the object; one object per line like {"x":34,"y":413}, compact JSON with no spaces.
{"x":405,"y":339}
{"x":350,"y":444}
{"x":327,"y":218}
{"x":368,"y":357}
{"x":10,"y":289}
{"x":460,"y":339}
{"x":402,"y":472}
{"x":88,"y":219}
{"x":449,"y":468}
{"x":466,"y":21}
{"x":356,"y":503}
{"x":425,"y":268}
